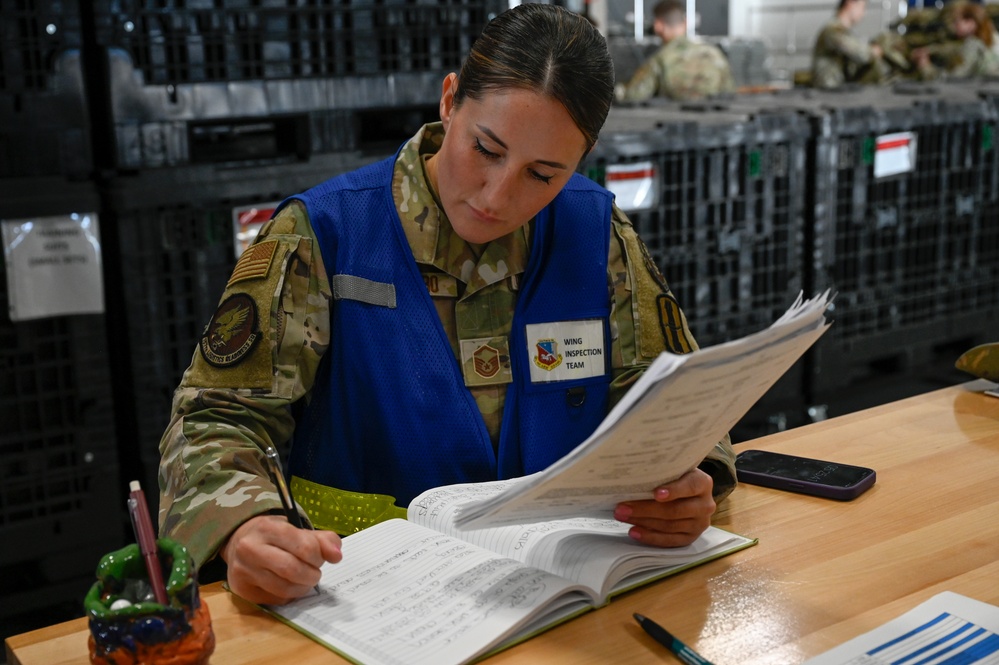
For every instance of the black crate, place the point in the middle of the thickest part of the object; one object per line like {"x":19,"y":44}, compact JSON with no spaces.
{"x":190,"y":41}
{"x":898,"y":249}
{"x":176,"y":252}
{"x":43,"y":116}
{"x":253,"y":81}
{"x":59,"y":485}
{"x":727,"y":228}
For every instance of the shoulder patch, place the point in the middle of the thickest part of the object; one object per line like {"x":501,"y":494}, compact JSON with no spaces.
{"x":671,"y":324}
{"x":254,"y":263}
{"x":232,"y":333}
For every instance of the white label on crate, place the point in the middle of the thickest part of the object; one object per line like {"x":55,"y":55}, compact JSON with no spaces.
{"x":633,"y":185}
{"x":894,"y":154}
{"x":53,"y":266}
{"x":246,"y":223}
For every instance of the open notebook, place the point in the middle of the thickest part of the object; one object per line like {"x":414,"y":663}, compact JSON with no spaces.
{"x":408,"y":593}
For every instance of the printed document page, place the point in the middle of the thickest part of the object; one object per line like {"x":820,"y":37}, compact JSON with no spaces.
{"x":947,"y":628}
{"x":664,"y":426}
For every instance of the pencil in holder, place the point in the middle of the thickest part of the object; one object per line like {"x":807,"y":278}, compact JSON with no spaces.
{"x":128,"y":626}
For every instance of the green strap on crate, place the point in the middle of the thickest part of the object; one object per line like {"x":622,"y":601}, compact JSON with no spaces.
{"x":341,"y":511}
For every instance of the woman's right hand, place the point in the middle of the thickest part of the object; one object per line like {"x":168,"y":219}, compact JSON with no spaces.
{"x":272,"y":562}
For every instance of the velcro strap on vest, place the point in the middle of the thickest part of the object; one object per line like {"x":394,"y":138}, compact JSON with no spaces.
{"x":341,"y":511}
{"x":352,"y":287}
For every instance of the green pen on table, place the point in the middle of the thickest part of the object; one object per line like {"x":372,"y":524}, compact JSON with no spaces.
{"x":664,"y":637}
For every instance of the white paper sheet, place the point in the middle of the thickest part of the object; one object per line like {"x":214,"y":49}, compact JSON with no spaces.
{"x":947,"y":628}
{"x":664,"y":426}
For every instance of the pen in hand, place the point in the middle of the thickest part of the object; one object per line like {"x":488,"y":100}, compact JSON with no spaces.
{"x":291,"y":512}
{"x":664,"y":637}
{"x":287,"y":502}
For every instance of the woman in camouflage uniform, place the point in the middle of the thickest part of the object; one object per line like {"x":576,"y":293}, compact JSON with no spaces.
{"x":967,"y":52}
{"x":466,"y":310}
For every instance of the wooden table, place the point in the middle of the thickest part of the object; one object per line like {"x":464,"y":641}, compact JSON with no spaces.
{"x":822,"y":573}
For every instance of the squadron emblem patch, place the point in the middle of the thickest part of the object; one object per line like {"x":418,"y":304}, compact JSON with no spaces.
{"x":232,"y":333}
{"x":547,"y":356}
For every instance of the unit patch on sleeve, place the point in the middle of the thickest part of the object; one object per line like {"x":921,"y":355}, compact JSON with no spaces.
{"x":671,"y":323}
{"x":232,"y":333}
{"x":255,"y":262}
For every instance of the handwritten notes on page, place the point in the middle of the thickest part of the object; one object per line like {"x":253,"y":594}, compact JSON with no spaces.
{"x":406,"y":595}
{"x":663,"y":427}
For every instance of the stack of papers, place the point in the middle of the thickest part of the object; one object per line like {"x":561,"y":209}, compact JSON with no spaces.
{"x":664,"y":426}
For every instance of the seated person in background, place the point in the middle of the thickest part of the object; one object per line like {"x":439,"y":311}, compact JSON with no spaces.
{"x":840,"y":56}
{"x":968,"y":53}
{"x":680,"y":69}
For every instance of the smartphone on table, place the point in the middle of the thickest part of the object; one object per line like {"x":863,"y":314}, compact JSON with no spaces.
{"x":805,"y":475}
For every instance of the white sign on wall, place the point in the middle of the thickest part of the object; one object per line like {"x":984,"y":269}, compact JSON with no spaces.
{"x":53,"y":266}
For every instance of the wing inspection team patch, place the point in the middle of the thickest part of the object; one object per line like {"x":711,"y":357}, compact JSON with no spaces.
{"x":232,"y":333}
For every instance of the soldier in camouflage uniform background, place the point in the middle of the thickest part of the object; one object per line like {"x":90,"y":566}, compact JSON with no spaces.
{"x":465,"y":195}
{"x":680,"y":69}
{"x":960,"y":44}
{"x":840,"y":57}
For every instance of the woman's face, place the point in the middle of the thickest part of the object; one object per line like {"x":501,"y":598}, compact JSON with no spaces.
{"x":503,"y":159}
{"x":964,"y":27}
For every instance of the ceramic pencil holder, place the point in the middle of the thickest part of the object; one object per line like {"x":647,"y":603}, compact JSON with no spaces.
{"x":128,"y":626}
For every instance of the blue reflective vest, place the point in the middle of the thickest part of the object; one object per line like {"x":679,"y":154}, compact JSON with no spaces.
{"x":389,"y":412}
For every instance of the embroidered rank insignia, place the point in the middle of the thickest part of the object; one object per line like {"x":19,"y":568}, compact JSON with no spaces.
{"x":485,"y":361}
{"x":255,"y":262}
{"x":231,"y":334}
{"x":546,"y":354}
{"x":671,"y":324}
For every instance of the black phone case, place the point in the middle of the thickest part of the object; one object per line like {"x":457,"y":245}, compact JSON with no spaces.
{"x":807,"y":487}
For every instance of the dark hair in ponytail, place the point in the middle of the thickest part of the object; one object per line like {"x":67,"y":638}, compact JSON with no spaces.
{"x":549,"y":50}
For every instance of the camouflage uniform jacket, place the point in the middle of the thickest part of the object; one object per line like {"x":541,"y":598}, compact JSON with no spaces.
{"x":961,"y":59}
{"x":839,"y":56}
{"x":682,"y":70}
{"x":212,"y":473}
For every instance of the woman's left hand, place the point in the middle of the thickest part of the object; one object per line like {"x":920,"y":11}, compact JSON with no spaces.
{"x":677,"y":514}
